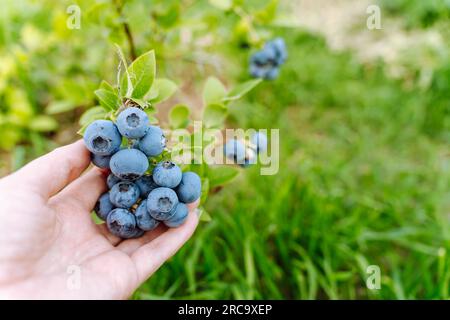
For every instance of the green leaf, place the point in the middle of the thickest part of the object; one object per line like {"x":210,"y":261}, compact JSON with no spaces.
{"x":214,"y":91}
{"x":59,"y":106}
{"x":205,"y":190}
{"x":43,"y":123}
{"x":141,"y":74}
{"x":162,"y":90}
{"x":268,"y":13}
{"x":82,"y":130}
{"x":153,"y":120}
{"x":214,"y":115}
{"x":96,"y":219}
{"x":170,"y":17}
{"x":242,"y":89}
{"x":220,"y":175}
{"x":222,"y":4}
{"x":92,"y":114}
{"x":150,"y":110}
{"x":109,"y":100}
{"x":105,"y":85}
{"x":124,"y":82}
{"x":204,"y":215}
{"x":179,"y":116}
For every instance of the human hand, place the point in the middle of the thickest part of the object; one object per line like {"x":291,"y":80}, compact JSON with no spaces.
{"x":46,"y":233}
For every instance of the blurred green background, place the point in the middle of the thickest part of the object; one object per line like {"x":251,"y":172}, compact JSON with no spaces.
{"x":364,"y":119}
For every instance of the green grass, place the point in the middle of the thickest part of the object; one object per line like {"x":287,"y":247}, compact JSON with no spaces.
{"x":364,"y":180}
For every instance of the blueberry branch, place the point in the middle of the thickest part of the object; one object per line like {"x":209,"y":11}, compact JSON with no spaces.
{"x":126,"y":29}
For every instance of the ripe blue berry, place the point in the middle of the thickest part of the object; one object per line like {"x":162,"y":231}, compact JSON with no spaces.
{"x":128,"y":164}
{"x":257,"y":71}
{"x":190,"y":187}
{"x":161,"y":203}
{"x":179,"y":217}
{"x":259,"y":139}
{"x":102,"y":138}
{"x":112,"y":180}
{"x":279,"y":46}
{"x":124,"y":194}
{"x":145,"y":185}
{"x":167,"y":174}
{"x":272,"y":74}
{"x":122,"y":223}
{"x":235,"y":150}
{"x":137,"y":233}
{"x":266,"y":62}
{"x":143,"y":218}
{"x":153,"y":143}
{"x":100,"y":161}
{"x":262,"y":58}
{"x":132,"y":123}
{"x":103,"y":206}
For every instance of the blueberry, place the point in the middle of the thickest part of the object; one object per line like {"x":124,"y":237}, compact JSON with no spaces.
{"x":103,"y":206}
{"x":153,"y":143}
{"x":190,"y":187}
{"x":122,"y":223}
{"x":259,"y":139}
{"x":100,"y":161}
{"x":179,"y":217}
{"x":167,"y":174}
{"x":161,"y":203}
{"x":145,"y":185}
{"x":128,"y":164}
{"x":250,"y":158}
{"x":102,"y":138}
{"x":262,"y":58}
{"x":235,"y":150}
{"x":280,"y":48}
{"x":272,"y":74}
{"x":112,"y":180}
{"x":132,"y":123}
{"x":124,"y":194}
{"x":257,"y":71}
{"x":137,"y":233}
{"x":143,"y":218}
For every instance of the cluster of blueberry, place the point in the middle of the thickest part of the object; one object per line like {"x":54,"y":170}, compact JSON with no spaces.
{"x":138,"y":201}
{"x":265,"y":64}
{"x":242,"y":155}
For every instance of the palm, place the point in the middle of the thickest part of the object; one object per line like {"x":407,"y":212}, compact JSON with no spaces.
{"x":51,"y":248}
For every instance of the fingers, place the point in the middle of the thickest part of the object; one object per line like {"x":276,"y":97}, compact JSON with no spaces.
{"x":84,"y":192}
{"x":192,"y":206}
{"x":103,"y":230}
{"x":52,"y":172}
{"x":151,"y":256}
{"x":131,"y":245}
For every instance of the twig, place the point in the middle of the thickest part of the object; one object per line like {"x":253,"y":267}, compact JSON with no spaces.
{"x":127,"y":30}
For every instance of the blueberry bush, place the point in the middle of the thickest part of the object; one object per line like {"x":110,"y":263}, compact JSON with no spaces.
{"x":139,"y":198}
